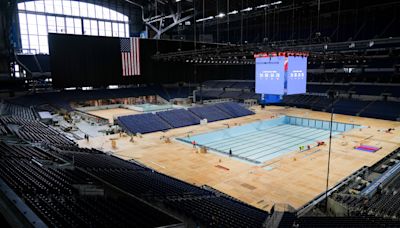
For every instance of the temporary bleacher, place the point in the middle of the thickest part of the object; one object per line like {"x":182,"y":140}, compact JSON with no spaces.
{"x":149,"y":122}
{"x":234,"y":109}
{"x":179,"y":118}
{"x":210,"y":112}
{"x":143,"y":123}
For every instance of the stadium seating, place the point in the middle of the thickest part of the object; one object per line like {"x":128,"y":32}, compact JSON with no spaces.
{"x":220,"y":212}
{"x":143,"y":123}
{"x":17,"y":111}
{"x":179,"y":118}
{"x":210,"y":112}
{"x":234,"y":109}
{"x":349,"y":107}
{"x":389,"y":110}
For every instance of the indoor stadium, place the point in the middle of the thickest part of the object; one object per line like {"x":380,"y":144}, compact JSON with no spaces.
{"x":200,"y":113}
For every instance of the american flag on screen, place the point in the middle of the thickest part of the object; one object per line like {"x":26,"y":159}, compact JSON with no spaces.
{"x":130,"y":54}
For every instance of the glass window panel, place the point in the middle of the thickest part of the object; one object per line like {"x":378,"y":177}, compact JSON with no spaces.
{"x":42,"y":30}
{"x":108,"y":28}
{"x":39,"y":6}
{"x":75,"y":8}
{"x":101,"y":28}
{"x":67,"y":7}
{"x":22,"y":18}
{"x":99,"y":12}
{"x":32,"y":29}
{"x":115,"y":29}
{"x":43,"y":41}
{"x":113,"y":15}
{"x":21,"y":6}
{"x":49,"y":6}
{"x":23,"y":29}
{"x":86,"y":27}
{"x":31,"y":19}
{"x":126,"y":18}
{"x":119,"y":16}
{"x":106,"y":13}
{"x":58,"y":6}
{"x":91,"y":11}
{"x":41,"y":19}
{"x":83,"y":9}
{"x":44,"y":49}
{"x":126,"y":30}
{"x":60,"y":24}
{"x":33,"y":41}
{"x":69,"y":24}
{"x":30,"y":6}
{"x":25,"y":41}
{"x":78,"y":26}
{"x":121,"y":30}
{"x":51,"y":24}
{"x":93,"y":27}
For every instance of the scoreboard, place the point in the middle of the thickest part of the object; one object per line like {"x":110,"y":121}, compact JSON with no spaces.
{"x":281,"y":75}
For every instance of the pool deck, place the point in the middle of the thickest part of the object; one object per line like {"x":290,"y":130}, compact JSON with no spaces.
{"x":294,"y":178}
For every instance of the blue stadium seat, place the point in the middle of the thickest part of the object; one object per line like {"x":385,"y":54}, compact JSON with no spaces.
{"x":143,"y":123}
{"x":179,"y":118}
{"x":210,"y":112}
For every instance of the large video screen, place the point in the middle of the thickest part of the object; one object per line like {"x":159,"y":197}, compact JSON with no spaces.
{"x":296,"y":75}
{"x":270,"y":75}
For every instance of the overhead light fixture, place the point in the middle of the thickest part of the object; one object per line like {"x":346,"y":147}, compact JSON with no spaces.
{"x":262,"y":6}
{"x":246,"y":10}
{"x":177,"y":0}
{"x":205,"y":19}
{"x":220,"y":15}
{"x":276,"y":3}
{"x":233,"y":12}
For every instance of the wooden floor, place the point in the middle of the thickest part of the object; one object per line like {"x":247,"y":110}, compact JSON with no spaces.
{"x":295,"y":178}
{"x":113,"y":112}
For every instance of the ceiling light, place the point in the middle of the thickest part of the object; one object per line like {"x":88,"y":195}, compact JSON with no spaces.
{"x":220,"y":15}
{"x":246,"y":10}
{"x":233,"y":12}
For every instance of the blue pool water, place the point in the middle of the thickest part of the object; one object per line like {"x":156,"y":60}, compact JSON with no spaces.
{"x":264,"y":140}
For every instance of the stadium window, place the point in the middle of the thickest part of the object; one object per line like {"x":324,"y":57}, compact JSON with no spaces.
{"x":93,"y":28}
{"x":67,"y":7}
{"x":91,"y":11}
{"x":51,"y":24}
{"x":69,"y":24}
{"x":86,"y":27}
{"x":40,"y":17}
{"x":102,"y":31}
{"x":115,"y":29}
{"x":108,"y":29}
{"x":39,"y":6}
{"x":60,"y":24}
{"x":78,"y":26}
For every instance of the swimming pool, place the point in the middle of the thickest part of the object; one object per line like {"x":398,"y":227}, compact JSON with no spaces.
{"x":264,"y":140}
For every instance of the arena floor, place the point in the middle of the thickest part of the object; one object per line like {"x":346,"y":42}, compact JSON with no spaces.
{"x":112,"y":112}
{"x":294,"y":178}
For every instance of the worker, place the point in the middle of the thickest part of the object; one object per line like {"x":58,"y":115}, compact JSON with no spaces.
{"x":194,"y":144}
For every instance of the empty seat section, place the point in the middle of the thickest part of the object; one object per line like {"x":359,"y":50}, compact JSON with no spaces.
{"x":143,"y":123}
{"x":179,"y":118}
{"x":234,"y":109}
{"x":210,"y":112}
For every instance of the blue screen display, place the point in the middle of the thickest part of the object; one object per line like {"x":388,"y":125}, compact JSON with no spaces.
{"x":270,"y":75}
{"x":297,"y":75}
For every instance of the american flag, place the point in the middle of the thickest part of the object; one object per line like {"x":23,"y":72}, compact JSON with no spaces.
{"x":130,"y":54}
